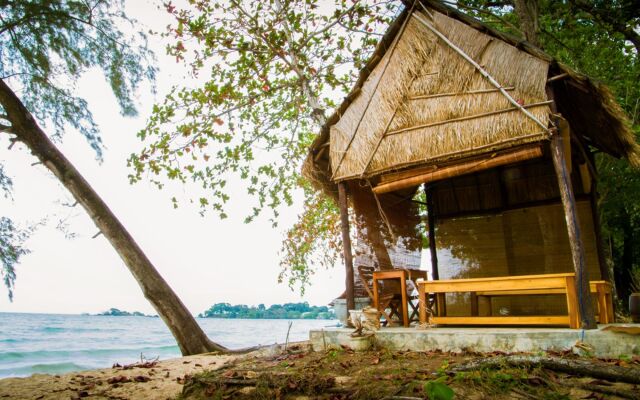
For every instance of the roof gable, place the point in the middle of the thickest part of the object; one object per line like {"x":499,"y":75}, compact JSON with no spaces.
{"x":425,"y":103}
{"x":589,"y":106}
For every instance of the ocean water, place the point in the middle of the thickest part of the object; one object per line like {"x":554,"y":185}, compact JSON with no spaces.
{"x":54,"y":343}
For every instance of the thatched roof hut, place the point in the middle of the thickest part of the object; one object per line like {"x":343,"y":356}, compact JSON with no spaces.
{"x":496,"y":133}
{"x":419,"y":102}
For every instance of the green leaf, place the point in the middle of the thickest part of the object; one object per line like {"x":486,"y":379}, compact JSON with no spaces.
{"x":437,"y":390}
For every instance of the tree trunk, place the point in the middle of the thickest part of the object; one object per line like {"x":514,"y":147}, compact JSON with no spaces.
{"x":596,"y":369}
{"x":190,"y":337}
{"x":527,"y":11}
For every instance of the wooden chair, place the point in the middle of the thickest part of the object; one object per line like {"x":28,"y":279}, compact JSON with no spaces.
{"x":386,"y":300}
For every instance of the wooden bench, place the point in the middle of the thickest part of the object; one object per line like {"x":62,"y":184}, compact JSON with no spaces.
{"x":564,"y":283}
{"x":601,"y":288}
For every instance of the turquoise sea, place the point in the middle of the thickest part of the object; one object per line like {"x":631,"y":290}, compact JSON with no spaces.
{"x":55,"y":343}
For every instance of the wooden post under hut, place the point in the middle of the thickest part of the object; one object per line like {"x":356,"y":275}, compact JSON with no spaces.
{"x":431,"y":221}
{"x":593,"y":198}
{"x":346,"y":245}
{"x":587,"y":317}
{"x":567,"y":197}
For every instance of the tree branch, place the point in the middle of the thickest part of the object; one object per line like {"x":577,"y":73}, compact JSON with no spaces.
{"x":605,"y":18}
{"x":317,"y":111}
{"x":5,"y":128}
{"x":487,"y":12}
{"x":12,"y":141}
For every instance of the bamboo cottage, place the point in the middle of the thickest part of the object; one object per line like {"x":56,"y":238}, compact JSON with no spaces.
{"x":494,"y":137}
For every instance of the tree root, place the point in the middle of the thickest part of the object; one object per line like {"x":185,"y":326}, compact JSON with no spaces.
{"x":218,"y":348}
{"x":578,"y":367}
{"x":608,"y":390}
{"x":244,"y":350}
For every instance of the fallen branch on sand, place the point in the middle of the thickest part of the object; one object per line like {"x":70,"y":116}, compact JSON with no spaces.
{"x":570,"y":366}
{"x":608,"y":390}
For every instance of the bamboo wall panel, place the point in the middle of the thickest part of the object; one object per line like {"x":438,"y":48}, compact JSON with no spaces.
{"x":520,"y":242}
{"x":504,"y":187}
{"x":388,"y":236}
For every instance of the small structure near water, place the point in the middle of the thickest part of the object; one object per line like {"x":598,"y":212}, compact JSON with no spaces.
{"x":494,"y":139}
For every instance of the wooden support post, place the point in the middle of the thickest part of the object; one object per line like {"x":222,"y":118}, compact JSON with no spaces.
{"x":585,"y":307}
{"x":431,"y":221}
{"x":423,"y":303}
{"x":403,"y":293}
{"x":602,"y":259}
{"x":346,"y":245}
{"x":593,"y":197}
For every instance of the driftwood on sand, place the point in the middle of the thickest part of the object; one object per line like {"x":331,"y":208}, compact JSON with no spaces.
{"x":612,"y":373}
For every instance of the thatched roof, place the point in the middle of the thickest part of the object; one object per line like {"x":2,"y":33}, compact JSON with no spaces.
{"x":418,"y":101}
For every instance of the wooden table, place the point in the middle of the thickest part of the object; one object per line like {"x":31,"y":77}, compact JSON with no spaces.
{"x":550,"y":283}
{"x":402,"y":275}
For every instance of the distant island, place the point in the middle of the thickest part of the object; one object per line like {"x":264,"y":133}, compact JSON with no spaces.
{"x":275,"y":311}
{"x":114,"y":312}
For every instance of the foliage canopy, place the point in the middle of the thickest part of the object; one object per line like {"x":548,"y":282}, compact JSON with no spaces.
{"x":46,"y":47}
{"x":268,"y":72}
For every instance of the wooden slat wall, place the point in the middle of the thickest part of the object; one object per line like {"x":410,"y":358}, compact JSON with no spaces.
{"x":498,"y":188}
{"x":519,"y":242}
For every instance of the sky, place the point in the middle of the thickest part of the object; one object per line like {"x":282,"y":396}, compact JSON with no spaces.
{"x":204,"y":259}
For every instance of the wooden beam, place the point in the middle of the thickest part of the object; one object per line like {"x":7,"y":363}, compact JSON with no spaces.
{"x":431,"y":222}
{"x":509,"y":320}
{"x":565,"y":132}
{"x":602,"y":259}
{"x":396,"y":176}
{"x":558,"y":77}
{"x":321,"y":151}
{"x":346,"y":246}
{"x":585,"y":307}
{"x":575,"y":236}
{"x":461,"y":169}
{"x":583,"y":147}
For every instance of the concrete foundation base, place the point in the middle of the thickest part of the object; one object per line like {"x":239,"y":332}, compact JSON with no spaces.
{"x":601,"y":342}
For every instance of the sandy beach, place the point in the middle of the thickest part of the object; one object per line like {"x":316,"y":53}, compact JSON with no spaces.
{"x":145,"y":380}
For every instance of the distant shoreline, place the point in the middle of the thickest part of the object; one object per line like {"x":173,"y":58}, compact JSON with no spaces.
{"x":155,"y":316}
{"x":114,"y":312}
{"x":275,"y":311}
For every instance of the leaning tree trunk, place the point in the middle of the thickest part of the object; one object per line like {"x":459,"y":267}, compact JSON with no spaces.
{"x":190,"y":337}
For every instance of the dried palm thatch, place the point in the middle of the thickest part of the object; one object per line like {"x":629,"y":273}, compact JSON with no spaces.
{"x":593,"y":111}
{"x":418,"y":102}
{"x":390,"y":128}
